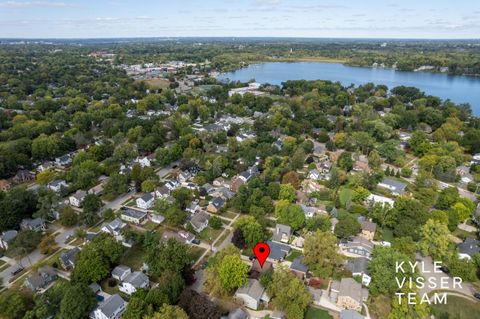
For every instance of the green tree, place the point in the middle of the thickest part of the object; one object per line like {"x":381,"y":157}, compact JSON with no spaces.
{"x":169,"y":312}
{"x":374,"y":160}
{"x":232,"y":272}
{"x":345,"y":161}
{"x":288,"y":293}
{"x":77,"y":302}
{"x":215,"y":222}
{"x":13,"y":304}
{"x":68,"y":217}
{"x":347,"y":226}
{"x":287,"y":192}
{"x":383,"y":270}
{"x":290,"y":214}
{"x":435,"y":240}
{"x":404,"y":308}
{"x":405,"y":245}
{"x":321,"y":256}
{"x":213,"y":285}
{"x":251,"y":229}
{"x":168,"y":255}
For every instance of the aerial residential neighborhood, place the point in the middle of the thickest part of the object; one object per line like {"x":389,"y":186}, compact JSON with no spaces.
{"x":263,"y":173}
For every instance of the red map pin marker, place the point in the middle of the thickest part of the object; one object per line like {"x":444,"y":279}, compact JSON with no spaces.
{"x":261,"y":251}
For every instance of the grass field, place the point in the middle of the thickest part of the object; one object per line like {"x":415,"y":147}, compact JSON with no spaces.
{"x":315,"y":313}
{"x":294,"y":254}
{"x":196,"y":252}
{"x":457,"y":308}
{"x":380,"y":306}
{"x":157,"y":83}
{"x":209,"y":234}
{"x":345,"y":195}
{"x":133,"y":257}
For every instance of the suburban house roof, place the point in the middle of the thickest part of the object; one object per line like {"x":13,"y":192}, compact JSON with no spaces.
{"x":281,"y":230}
{"x":396,"y":185}
{"x":469,"y":246}
{"x":253,"y":289}
{"x":8,"y":235}
{"x":80,"y":194}
{"x":199,"y":219}
{"x":146,"y":197}
{"x":358,"y":265}
{"x":369,"y":226}
{"x":137,"y":279}
{"x":32,"y":223}
{"x":297,"y":265}
{"x":111,"y":305}
{"x":68,"y":257}
{"x":218,"y":202}
{"x":114,"y":225}
{"x":120,"y":270}
{"x":360,"y":241}
{"x":237,"y":314}
{"x":41,"y":278}
{"x":350,"y":288}
{"x":133,"y":213}
{"x":278,"y":250}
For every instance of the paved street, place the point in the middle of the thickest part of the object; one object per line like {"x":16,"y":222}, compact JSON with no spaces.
{"x":428,"y":272}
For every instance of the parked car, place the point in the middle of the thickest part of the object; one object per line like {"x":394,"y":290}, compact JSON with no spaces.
{"x":196,"y":241}
{"x":17,"y":271}
{"x":444,"y":269}
{"x":477,"y":295}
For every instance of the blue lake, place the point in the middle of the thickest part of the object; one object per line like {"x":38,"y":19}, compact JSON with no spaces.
{"x":460,"y":89}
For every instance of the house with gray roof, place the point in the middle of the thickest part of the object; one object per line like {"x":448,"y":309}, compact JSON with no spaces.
{"x":468,"y":248}
{"x":134,"y":216}
{"x":40,"y":279}
{"x":395,"y":187}
{"x":57,"y":185}
{"x":252,"y":294}
{"x":146,"y":201}
{"x":238,"y":313}
{"x":357,"y":247}
{"x":278,"y":251}
{"x":134,"y":281}
{"x":120,"y":272}
{"x":77,"y":198}
{"x":359,"y":268}
{"x":199,"y":221}
{"x":114,"y":227}
{"x":215,"y":204}
{"x":112,"y":308}
{"x":67,"y":259}
{"x":37,"y":224}
{"x":299,"y":268}
{"x":6,"y":237}
{"x":282,"y":233}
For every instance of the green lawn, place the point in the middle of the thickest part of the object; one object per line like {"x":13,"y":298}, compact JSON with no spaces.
{"x":222,"y":238}
{"x":209,"y":234}
{"x":460,"y":233}
{"x":196,"y":252}
{"x":294,"y":254}
{"x":315,"y":313}
{"x":345,"y":195}
{"x":133,"y":257}
{"x":228,"y":214}
{"x":458,"y":308}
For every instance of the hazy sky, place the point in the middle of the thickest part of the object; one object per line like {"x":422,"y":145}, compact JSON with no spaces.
{"x":289,"y":18}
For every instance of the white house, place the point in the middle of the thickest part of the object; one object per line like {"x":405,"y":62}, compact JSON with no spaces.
{"x":373,"y":199}
{"x":121,"y":272}
{"x":143,"y":161}
{"x":157,"y":218}
{"x":114,"y":227}
{"x":314,"y":174}
{"x":146,"y":201}
{"x":77,"y":198}
{"x":200,"y":221}
{"x":112,"y":308}
{"x":132,"y":282}
{"x":395,"y":187}
{"x":6,"y":237}
{"x":172,"y":184}
{"x":359,"y":268}
{"x":252,"y":294}
{"x":57,"y":185}
{"x":162,"y":192}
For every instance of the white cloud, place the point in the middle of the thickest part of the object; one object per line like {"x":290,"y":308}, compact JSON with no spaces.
{"x":30,"y":4}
